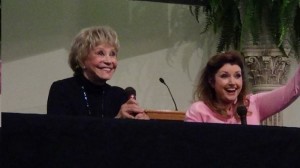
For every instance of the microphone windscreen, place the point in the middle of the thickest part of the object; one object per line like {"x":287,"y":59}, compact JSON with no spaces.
{"x":241,"y":110}
{"x":130,"y":91}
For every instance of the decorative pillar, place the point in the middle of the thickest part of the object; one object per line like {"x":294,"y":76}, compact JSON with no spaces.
{"x":267,"y":69}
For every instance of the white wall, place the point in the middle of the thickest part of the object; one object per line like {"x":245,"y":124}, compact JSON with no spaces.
{"x":291,"y":115}
{"x":26,"y":81}
{"x":157,"y":40}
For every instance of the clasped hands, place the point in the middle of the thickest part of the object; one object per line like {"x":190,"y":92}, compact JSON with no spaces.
{"x":132,"y":110}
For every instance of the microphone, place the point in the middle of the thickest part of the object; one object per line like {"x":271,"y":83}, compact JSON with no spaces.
{"x":242,"y":112}
{"x":163,"y":82}
{"x":130,"y":92}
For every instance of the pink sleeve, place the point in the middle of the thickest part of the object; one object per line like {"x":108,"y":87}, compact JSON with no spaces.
{"x":271,"y":102}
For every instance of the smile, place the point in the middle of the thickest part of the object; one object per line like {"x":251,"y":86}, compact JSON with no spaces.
{"x":230,"y":90}
{"x":106,"y":69}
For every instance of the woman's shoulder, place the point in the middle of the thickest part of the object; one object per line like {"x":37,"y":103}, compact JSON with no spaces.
{"x":67,"y":83}
{"x":115,"y":90}
{"x":65,"y":80}
{"x":199,"y":105}
{"x":117,"y":93}
{"x":197,"y":112}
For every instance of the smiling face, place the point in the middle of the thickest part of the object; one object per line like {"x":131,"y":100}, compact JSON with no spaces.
{"x":228,"y":82}
{"x":100,"y":64}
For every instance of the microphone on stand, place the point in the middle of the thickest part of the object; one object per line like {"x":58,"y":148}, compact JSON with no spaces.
{"x":163,"y":82}
{"x":242,"y":112}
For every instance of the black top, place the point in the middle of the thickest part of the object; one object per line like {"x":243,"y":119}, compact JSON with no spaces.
{"x":67,"y":97}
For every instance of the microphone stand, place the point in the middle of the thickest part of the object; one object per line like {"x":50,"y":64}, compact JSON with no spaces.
{"x":163,"y":82}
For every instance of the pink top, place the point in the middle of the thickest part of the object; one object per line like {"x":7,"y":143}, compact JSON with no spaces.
{"x":261,"y":105}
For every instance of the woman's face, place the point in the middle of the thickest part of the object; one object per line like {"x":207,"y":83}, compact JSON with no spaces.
{"x":100,"y":64}
{"x":228,"y":83}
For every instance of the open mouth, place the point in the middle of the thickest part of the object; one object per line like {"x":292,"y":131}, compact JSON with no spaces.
{"x":231,"y":90}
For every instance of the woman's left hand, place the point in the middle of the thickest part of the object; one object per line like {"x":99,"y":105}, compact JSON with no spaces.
{"x":142,"y":116}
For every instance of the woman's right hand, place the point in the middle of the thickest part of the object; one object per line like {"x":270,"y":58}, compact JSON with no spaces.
{"x":132,"y":110}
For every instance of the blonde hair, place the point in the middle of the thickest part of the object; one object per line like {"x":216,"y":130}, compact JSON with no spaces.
{"x":87,"y":39}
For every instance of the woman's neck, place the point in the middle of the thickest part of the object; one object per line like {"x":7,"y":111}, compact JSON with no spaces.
{"x":95,"y":81}
{"x":227,"y":107}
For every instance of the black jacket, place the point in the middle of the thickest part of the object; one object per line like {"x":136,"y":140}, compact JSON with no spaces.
{"x":66,"y":97}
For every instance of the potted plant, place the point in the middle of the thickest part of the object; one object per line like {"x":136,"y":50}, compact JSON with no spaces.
{"x":239,"y":20}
